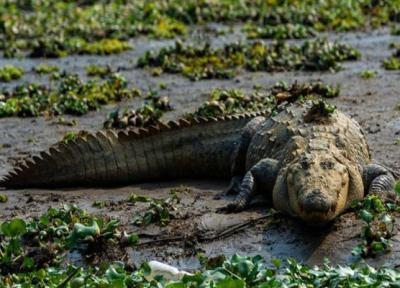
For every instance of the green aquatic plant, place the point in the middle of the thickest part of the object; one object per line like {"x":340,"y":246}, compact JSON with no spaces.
{"x":379,"y":226}
{"x":71,"y":96}
{"x":205,"y":62}
{"x":158,"y":211}
{"x":234,"y":272}
{"x":44,"y":68}
{"x":281,"y":31}
{"x":367,"y":74}
{"x":97,"y":70}
{"x":234,"y":101}
{"x":393,"y":62}
{"x":53,"y":47}
{"x":145,"y":116}
{"x":30,"y":245}
{"x":3,"y":198}
{"x":72,"y":25}
{"x":9,"y":73}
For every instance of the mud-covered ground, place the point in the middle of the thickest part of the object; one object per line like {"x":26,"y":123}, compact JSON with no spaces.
{"x":196,"y":227}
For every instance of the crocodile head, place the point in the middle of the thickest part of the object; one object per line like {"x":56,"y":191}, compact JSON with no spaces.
{"x":317,"y":187}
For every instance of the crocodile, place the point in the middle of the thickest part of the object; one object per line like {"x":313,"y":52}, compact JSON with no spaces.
{"x":305,"y":163}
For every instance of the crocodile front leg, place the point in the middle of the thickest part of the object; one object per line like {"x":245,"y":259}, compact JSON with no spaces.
{"x":379,"y":180}
{"x":239,"y":155}
{"x":259,"y":179}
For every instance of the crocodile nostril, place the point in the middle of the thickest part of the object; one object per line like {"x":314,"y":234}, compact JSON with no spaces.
{"x":316,"y":202}
{"x":316,"y":191}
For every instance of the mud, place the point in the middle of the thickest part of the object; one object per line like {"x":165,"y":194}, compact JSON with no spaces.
{"x":196,"y":225}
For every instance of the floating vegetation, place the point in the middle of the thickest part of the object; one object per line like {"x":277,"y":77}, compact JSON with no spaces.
{"x":53,"y":48}
{"x":45,"y":69}
{"x":159,"y":210}
{"x":379,"y":228}
{"x":205,"y":62}
{"x":281,"y":31}
{"x":71,"y":96}
{"x":30,"y":245}
{"x":97,"y":70}
{"x":393,"y":62}
{"x":368,"y":74}
{"x":29,"y":27}
{"x":236,"y":272}
{"x":147,"y":115}
{"x":395,"y":30}
{"x":235,"y":101}
{"x":3,"y":198}
{"x":9,"y":73}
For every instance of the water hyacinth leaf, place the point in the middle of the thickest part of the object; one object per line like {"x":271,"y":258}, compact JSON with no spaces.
{"x":276,"y":262}
{"x":378,"y":205}
{"x":14,"y":228}
{"x":3,"y":198}
{"x":397,"y":187}
{"x":366,"y":216}
{"x":28,"y":263}
{"x":176,"y":285}
{"x":132,"y":239}
{"x":377,"y":246}
{"x":231,"y":283}
{"x":77,"y":282}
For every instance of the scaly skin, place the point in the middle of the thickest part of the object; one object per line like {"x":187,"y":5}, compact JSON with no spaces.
{"x":308,"y":165}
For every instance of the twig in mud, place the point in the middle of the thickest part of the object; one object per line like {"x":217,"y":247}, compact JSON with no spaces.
{"x":225,"y":233}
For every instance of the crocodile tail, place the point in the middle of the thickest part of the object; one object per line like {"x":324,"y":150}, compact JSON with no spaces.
{"x":196,"y":148}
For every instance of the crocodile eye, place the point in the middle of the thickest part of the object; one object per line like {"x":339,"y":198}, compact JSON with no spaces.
{"x":327,"y":164}
{"x":304,"y":164}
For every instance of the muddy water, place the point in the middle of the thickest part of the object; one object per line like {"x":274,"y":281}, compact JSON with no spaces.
{"x":372,"y":102}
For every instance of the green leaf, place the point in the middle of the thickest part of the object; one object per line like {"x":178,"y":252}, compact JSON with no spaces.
{"x":366,"y":216}
{"x":28,"y":263}
{"x":3,"y":198}
{"x":231,"y":283}
{"x":276,"y":262}
{"x":133,"y":239}
{"x":13,"y":228}
{"x":377,"y":246}
{"x":397,"y":188}
{"x":176,"y":285}
{"x":377,"y":204}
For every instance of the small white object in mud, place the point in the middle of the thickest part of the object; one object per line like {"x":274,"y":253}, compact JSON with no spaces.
{"x":169,"y":273}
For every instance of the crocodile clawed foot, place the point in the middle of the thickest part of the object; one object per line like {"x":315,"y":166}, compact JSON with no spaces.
{"x":232,"y":189}
{"x":230,"y":208}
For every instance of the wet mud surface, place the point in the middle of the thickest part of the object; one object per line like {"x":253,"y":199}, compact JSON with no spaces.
{"x":196,"y":227}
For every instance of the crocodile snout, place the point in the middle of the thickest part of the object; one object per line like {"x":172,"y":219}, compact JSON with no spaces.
{"x":316,"y":201}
